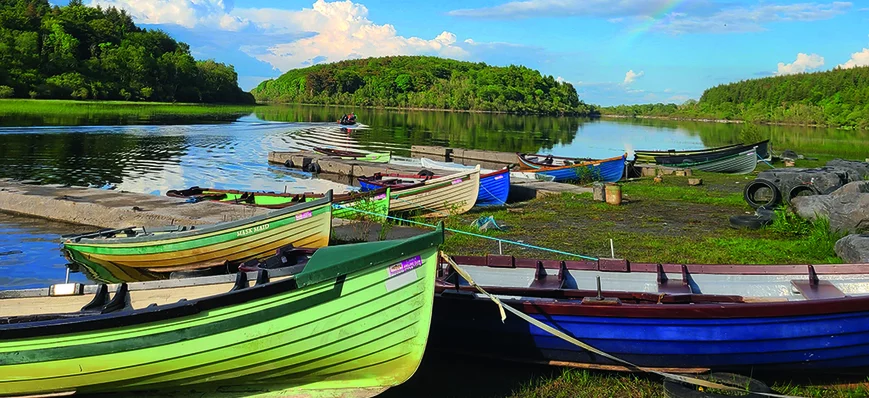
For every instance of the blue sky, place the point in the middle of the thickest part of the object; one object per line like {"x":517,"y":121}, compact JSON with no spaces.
{"x":612,"y":51}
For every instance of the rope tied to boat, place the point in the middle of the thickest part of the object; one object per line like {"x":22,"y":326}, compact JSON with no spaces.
{"x":570,"y":339}
{"x":522,"y":244}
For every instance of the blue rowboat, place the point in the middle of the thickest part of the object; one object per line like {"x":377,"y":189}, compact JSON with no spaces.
{"x":494,"y":186}
{"x":564,"y":169}
{"x":686,"y":318}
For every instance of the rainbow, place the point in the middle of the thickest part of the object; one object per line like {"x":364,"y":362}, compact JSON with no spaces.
{"x":666,"y":8}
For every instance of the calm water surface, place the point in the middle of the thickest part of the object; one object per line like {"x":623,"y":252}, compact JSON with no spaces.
{"x":151,"y":158}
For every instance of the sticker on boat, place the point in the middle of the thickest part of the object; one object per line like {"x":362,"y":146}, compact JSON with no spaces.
{"x":498,"y":177}
{"x":381,"y":196}
{"x":303,"y":216}
{"x":404,"y":266}
{"x":456,"y":181}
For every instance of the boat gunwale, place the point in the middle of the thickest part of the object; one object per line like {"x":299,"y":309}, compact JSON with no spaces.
{"x":687,"y":151}
{"x":83,"y":241}
{"x":336,"y":198}
{"x":712,"y":161}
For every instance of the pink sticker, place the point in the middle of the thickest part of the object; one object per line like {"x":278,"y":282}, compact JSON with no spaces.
{"x":404,"y":266}
{"x":498,"y":177}
{"x":456,"y":181}
{"x":381,"y":196}
{"x":303,"y":216}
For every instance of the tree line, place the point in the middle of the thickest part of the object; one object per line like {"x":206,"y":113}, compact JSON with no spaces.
{"x":81,"y":52}
{"x":838,"y":98}
{"x":425,"y":82}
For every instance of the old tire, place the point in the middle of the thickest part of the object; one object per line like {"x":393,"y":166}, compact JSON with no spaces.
{"x":289,"y":163}
{"x":753,"y":188}
{"x":801,"y":190}
{"x":750,"y":222}
{"x":313,"y":167}
{"x":675,"y":389}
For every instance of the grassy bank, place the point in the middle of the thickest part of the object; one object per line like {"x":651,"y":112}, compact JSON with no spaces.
{"x":66,"y":112}
{"x":668,"y":222}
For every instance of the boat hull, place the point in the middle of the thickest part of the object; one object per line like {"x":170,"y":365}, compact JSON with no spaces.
{"x":494,"y":188}
{"x":776,"y":343}
{"x":742,"y":163}
{"x":700,"y":156}
{"x":306,"y":225}
{"x":437,"y":197}
{"x":607,"y":170}
{"x":351,"y":335}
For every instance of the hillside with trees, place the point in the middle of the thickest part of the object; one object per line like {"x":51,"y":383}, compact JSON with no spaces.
{"x":81,"y":52}
{"x":425,"y":82}
{"x":838,"y":98}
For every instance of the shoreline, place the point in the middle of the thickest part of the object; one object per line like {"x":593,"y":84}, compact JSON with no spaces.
{"x":708,"y":120}
{"x":399,"y":108}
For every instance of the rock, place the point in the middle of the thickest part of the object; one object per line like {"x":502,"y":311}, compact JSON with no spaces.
{"x":695,"y":181}
{"x":812,"y":207}
{"x":598,"y":192}
{"x":853,"y":248}
{"x":789,"y":163}
{"x":860,"y":169}
{"x":847,"y":208}
{"x":822,"y":180}
{"x":789,"y":154}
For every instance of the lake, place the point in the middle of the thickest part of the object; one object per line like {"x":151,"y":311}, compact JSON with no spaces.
{"x":152,"y":158}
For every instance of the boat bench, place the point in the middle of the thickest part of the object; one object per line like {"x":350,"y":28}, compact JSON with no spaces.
{"x":542,"y":280}
{"x":816,"y":289}
{"x":665,"y":285}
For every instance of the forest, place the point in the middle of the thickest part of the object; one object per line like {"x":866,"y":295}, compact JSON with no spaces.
{"x":425,"y":82}
{"x":81,"y":52}
{"x":838,"y":98}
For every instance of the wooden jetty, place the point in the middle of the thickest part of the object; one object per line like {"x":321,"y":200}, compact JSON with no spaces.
{"x":119,"y":209}
{"x":345,"y":171}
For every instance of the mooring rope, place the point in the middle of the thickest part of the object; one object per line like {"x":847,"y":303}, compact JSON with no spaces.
{"x":335,"y":205}
{"x":570,"y":339}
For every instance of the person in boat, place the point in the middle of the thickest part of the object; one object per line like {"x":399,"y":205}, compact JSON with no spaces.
{"x":352,"y":118}
{"x":343,"y":119}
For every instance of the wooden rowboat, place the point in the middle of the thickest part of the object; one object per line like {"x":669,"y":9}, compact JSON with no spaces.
{"x":376,"y":201}
{"x":352,"y":322}
{"x":569,"y":169}
{"x":175,"y":248}
{"x":351,"y":155}
{"x":433,"y":197}
{"x":685,"y":318}
{"x":494,"y":184}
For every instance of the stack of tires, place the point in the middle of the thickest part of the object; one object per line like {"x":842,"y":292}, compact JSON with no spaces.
{"x":776,"y":187}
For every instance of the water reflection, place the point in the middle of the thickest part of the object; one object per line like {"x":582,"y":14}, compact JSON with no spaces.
{"x":30,"y":254}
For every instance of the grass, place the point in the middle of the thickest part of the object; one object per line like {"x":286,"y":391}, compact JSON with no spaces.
{"x":114,"y":112}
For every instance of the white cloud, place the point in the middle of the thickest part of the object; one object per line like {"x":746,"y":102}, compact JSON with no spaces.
{"x":678,"y":99}
{"x":560,"y":79}
{"x":630,"y":76}
{"x":339,"y":30}
{"x":186,"y":13}
{"x":326,"y":32}
{"x":803,"y":63}
{"x":857,"y":59}
{"x":699,"y":16}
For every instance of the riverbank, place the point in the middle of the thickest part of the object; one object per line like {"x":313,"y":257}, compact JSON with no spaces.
{"x":708,"y":120}
{"x":38,"y":112}
{"x":400,"y":108}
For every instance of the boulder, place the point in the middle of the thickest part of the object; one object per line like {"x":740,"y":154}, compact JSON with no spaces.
{"x":853,"y":248}
{"x":847,"y":208}
{"x":860,"y":169}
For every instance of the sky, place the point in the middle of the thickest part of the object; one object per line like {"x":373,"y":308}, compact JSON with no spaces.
{"x":613,"y":51}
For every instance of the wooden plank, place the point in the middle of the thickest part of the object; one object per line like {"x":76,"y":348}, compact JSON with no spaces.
{"x":819,"y":290}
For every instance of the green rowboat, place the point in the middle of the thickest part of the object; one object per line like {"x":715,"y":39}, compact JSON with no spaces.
{"x":373,"y":205}
{"x":352,"y":323}
{"x":351,"y":155}
{"x":178,"y":248}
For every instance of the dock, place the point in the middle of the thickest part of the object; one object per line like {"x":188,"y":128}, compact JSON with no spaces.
{"x":345,"y":171}
{"x":119,"y":209}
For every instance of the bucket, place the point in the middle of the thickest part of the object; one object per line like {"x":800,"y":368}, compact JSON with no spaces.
{"x":614,"y":194}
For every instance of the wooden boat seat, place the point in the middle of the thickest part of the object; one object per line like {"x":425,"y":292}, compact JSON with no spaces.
{"x":668,"y":286}
{"x":542,"y":280}
{"x":818,"y":290}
